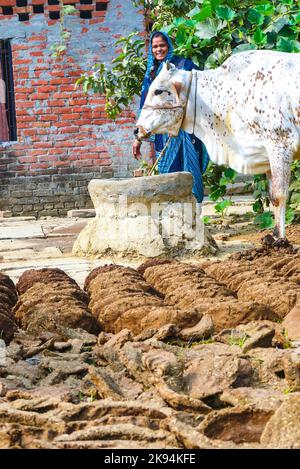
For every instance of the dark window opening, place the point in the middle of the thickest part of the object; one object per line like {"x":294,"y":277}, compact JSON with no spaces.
{"x":54,"y":15}
{"x":85,"y":14}
{"x":86,"y":2}
{"x":101,"y":6}
{"x":8,"y":124}
{"x":23,"y":16}
{"x":53,"y":2}
{"x":7,"y":10}
{"x":38,"y":8}
{"x":21,"y":3}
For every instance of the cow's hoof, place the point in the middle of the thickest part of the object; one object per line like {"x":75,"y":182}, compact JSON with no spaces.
{"x":282,"y":243}
{"x":268,"y":241}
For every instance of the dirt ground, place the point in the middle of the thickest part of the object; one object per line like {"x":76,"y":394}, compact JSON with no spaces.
{"x":212,"y":364}
{"x":250,"y":234}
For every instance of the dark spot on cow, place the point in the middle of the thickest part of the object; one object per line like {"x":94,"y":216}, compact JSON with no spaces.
{"x":259,"y":75}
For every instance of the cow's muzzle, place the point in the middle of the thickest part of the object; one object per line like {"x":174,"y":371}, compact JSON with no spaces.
{"x":140,"y":133}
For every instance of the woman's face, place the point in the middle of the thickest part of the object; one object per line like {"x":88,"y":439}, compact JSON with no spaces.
{"x":159,"y":48}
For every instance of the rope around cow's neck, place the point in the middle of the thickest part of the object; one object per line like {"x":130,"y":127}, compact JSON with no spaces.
{"x":195,"y":103}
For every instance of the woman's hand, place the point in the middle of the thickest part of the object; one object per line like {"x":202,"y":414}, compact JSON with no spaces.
{"x":136,"y":150}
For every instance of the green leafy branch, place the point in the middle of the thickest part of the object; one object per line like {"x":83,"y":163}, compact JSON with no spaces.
{"x":217,"y":178}
{"x":60,"y":47}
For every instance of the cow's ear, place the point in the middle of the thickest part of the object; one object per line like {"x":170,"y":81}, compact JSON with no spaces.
{"x":168,"y":65}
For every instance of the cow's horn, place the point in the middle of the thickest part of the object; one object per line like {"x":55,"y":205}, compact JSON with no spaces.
{"x":168,"y":65}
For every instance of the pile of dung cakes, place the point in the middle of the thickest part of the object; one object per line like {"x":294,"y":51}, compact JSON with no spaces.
{"x":48,"y":299}
{"x":274,"y":280}
{"x":188,"y":286}
{"x":8,"y":298}
{"x":121,"y":298}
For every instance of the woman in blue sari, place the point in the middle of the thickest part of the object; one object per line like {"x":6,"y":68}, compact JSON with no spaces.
{"x":185,"y":152}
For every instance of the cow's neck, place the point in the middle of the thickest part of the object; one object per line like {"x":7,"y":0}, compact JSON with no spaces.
{"x":203,"y":96}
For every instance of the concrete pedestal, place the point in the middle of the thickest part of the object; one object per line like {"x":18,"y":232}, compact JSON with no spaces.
{"x":153,"y":216}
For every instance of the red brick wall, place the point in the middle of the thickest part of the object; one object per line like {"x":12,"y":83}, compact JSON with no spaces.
{"x":64,"y":136}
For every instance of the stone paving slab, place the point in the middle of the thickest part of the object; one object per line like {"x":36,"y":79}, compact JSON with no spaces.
{"x":21,"y":231}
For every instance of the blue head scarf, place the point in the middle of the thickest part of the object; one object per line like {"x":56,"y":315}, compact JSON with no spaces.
{"x":151,"y":62}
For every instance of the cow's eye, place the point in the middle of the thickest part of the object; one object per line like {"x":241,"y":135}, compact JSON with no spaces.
{"x":157,"y":92}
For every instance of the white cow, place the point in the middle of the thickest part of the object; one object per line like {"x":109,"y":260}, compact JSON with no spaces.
{"x":247,"y":113}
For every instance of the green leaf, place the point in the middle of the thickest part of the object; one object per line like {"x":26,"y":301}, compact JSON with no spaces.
{"x":243,"y":47}
{"x":289,"y":215}
{"x":277,"y":25}
{"x":264,"y":220}
{"x":255,"y":17}
{"x":297,"y":18}
{"x":295,"y":186}
{"x":258,"y":206}
{"x":295,"y":200}
{"x":259,"y":37}
{"x":206,"y":220}
{"x":206,"y":30}
{"x":216,"y":192}
{"x":266,"y":9}
{"x":205,"y":12}
{"x":287,"y":45}
{"x":215,"y":59}
{"x":225,"y":13}
{"x":230,"y":173}
{"x":68,"y":9}
{"x":223,"y":205}
{"x":180,"y":37}
{"x":65,"y":35}
{"x":179,"y":21}
{"x":195,"y":11}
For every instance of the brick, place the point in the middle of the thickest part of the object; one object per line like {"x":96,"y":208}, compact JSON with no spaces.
{"x":39,"y":96}
{"x":36,"y":54}
{"x":59,"y":81}
{"x":57,"y":73}
{"x":29,"y":132}
{"x":71,"y":116}
{"x":61,"y":95}
{"x":22,"y":61}
{"x":17,"y":47}
{"x":49,"y":117}
{"x":26,"y":119}
{"x":78,"y":101}
{"x":44,"y":145}
{"x":38,"y":152}
{"x":27,"y":159}
{"x":65,"y":144}
{"x":39,"y":82}
{"x":56,"y":102}
{"x":69,"y":130}
{"x":34,"y":37}
{"x":68,"y":88}
{"x":46,"y":89}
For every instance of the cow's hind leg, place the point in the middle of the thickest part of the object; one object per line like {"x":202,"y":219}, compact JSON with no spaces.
{"x":278,"y":188}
